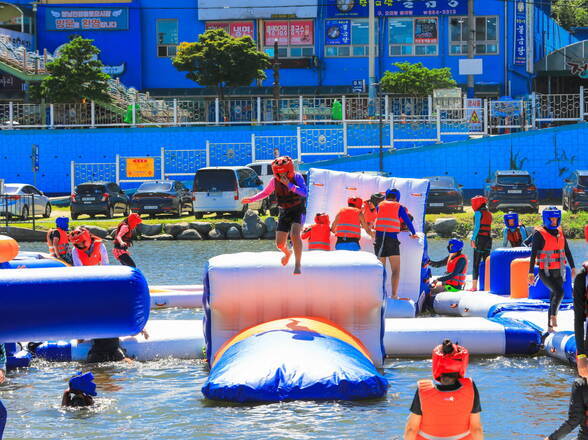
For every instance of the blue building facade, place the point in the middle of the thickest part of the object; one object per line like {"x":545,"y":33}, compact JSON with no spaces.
{"x":323,"y":45}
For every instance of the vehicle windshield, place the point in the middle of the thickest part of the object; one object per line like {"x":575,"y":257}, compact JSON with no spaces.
{"x":442,"y":182}
{"x":583,"y":180}
{"x":11,"y":189}
{"x":514,"y":180}
{"x":91,"y":189}
{"x":215,"y":181}
{"x":155,"y":187}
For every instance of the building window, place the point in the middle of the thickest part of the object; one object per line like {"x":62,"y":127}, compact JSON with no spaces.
{"x":347,"y":38}
{"x":235,"y":29}
{"x":486,"y":35}
{"x":413,"y":36}
{"x":295,"y":38}
{"x":167,"y":38}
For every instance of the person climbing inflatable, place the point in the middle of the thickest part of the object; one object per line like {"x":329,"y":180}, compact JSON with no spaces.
{"x":481,"y":236}
{"x":456,"y":268}
{"x":123,"y":239}
{"x":318,"y":234}
{"x":550,"y":251}
{"x":449,"y":408}
{"x":291,"y":192}
{"x":347,"y":225}
{"x":513,"y":233}
{"x":88,"y":250}
{"x":58,"y":240}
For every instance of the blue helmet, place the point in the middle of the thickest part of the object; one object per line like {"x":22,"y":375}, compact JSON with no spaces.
{"x":549,"y":213}
{"x":394,"y":192}
{"x":84,"y":383}
{"x":454,"y":245}
{"x":511,"y":216}
{"x":62,"y":223}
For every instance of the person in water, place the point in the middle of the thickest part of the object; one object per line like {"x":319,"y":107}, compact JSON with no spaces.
{"x":577,"y":411}
{"x":80,"y":392}
{"x":123,"y":239}
{"x":291,"y":192}
{"x":450,"y":407}
{"x":550,"y":251}
{"x":3,"y":413}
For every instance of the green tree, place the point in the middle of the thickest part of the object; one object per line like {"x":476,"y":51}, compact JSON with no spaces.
{"x":220,"y":60}
{"x":76,"y":74}
{"x":570,"y":13}
{"x":416,"y":79}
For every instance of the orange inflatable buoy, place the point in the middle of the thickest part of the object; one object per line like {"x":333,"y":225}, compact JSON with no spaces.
{"x":8,"y":249}
{"x":586,"y":232}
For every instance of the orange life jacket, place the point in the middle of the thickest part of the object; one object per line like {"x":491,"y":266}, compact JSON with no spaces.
{"x":319,"y":238}
{"x":94,"y":258}
{"x":457,"y":281}
{"x":485,"y":223}
{"x":348,"y":224}
{"x":514,"y":237}
{"x":369,"y":215}
{"x":62,"y":245}
{"x":553,"y":254}
{"x":388,"y":219}
{"x":286,"y":198}
{"x":446,"y":414}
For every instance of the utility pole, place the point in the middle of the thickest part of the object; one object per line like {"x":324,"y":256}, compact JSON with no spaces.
{"x":380,"y":127}
{"x":471,"y":44}
{"x":372,"y":58}
{"x":276,"y":85}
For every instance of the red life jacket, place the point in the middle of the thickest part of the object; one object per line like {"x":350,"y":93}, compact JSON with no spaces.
{"x":485,"y":223}
{"x":62,"y":245}
{"x":319,"y":238}
{"x":369,"y":215}
{"x":446,"y":414}
{"x":348,"y":224}
{"x":127,"y":238}
{"x":388,"y":219}
{"x":286,"y":198}
{"x":457,"y":281}
{"x":514,"y":237}
{"x":94,"y":258}
{"x":553,"y":254}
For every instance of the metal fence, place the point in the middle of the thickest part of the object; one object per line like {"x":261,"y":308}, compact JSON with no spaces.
{"x":20,"y":208}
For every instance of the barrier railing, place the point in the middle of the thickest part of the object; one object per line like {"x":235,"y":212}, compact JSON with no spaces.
{"x":20,"y":208}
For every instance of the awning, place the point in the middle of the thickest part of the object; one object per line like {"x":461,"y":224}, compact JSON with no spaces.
{"x":571,"y":60}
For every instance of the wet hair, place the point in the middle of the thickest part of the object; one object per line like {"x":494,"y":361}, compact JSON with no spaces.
{"x":447,"y":346}
{"x":78,"y":400}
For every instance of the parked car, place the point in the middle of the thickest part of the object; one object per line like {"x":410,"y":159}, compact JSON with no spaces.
{"x":23,"y":200}
{"x":99,"y":198}
{"x":162,"y":197}
{"x":445,"y":195}
{"x":512,"y":190}
{"x":221,"y":189}
{"x":575,"y":192}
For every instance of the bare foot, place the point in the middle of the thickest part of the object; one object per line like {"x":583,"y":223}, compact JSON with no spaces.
{"x":297,"y":270}
{"x":394,"y":297}
{"x":286,"y":257}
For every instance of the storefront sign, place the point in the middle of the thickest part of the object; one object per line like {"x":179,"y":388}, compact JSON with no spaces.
{"x":276,"y":30}
{"x":17,"y":39}
{"x":578,"y":67}
{"x":396,"y":8}
{"x":301,"y":33}
{"x":235,"y":29}
{"x":337,"y":32}
{"x":293,"y":32}
{"x":101,"y":19}
{"x":425,"y":31}
{"x":9,"y":82}
{"x":520,"y":40}
{"x":140,"y":167}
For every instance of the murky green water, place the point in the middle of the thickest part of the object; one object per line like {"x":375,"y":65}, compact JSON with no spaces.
{"x":522,"y":398}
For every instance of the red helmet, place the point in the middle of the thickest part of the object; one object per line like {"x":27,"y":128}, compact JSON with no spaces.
{"x":322,"y":219}
{"x":355,"y":201}
{"x":478,"y":201}
{"x":450,"y":358}
{"x":80,"y":235}
{"x":133,"y":220}
{"x":283,"y":164}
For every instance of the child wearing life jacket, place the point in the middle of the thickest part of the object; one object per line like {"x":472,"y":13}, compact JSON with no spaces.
{"x":513,"y":233}
{"x":88,"y":250}
{"x":58,"y":240}
{"x":80,"y":392}
{"x":481,"y":236}
{"x":123,"y":239}
{"x":456,"y":268}
{"x":318,"y":234}
{"x":348,"y":224}
{"x":291,"y":192}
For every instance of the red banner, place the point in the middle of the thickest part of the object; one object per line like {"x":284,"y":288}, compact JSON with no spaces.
{"x":276,"y":30}
{"x":301,"y":33}
{"x":233,"y":28}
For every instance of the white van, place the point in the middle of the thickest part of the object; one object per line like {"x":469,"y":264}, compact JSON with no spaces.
{"x":221,"y":189}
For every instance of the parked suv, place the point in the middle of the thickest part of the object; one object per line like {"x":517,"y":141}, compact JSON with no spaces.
{"x":512,"y":190}
{"x":575,"y":192}
{"x":445,"y":195}
{"x":93,"y":198}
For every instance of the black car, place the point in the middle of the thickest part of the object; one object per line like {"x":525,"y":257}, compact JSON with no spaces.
{"x":94,"y":198}
{"x":575,"y":193}
{"x":512,"y":190}
{"x":445,"y":195}
{"x":162,"y":197}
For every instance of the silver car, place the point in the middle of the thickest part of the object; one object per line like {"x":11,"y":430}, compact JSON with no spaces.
{"x":23,"y":200}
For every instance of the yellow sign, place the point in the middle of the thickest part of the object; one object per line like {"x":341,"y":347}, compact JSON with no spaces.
{"x":474,"y":119}
{"x":140,"y":167}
